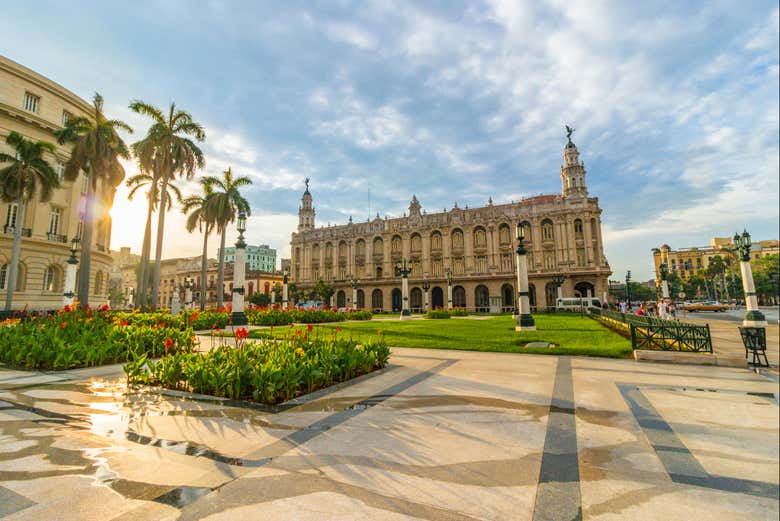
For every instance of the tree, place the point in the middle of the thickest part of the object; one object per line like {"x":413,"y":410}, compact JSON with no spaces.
{"x":167,"y":151}
{"x":135,"y":183}
{"x":260,"y":299}
{"x":97,"y":149}
{"x":766,"y":273}
{"x":324,"y":291}
{"x":27,"y":174}
{"x":199,"y":217}
{"x":224,"y":205}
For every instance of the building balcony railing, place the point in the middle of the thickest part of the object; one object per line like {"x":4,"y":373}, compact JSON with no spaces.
{"x":378,"y":257}
{"x":55,"y":237}
{"x":360,"y":260}
{"x":26,"y":232}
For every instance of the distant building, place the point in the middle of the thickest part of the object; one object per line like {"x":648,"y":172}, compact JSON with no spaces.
{"x":286,"y":265}
{"x":688,"y":262}
{"x":258,"y":258}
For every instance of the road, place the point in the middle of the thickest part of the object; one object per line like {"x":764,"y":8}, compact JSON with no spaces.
{"x":735,"y":315}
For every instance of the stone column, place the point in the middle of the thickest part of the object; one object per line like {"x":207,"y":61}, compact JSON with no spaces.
{"x":239,"y":276}
{"x":525,"y":321}
{"x":175,"y":304}
{"x":354,"y":297}
{"x":405,"y":314}
{"x":70,"y":281}
{"x":285,"y":303}
{"x":188,"y":296}
{"x":273,"y":295}
{"x":753,"y":317}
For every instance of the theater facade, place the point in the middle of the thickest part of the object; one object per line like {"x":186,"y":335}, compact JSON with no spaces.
{"x":476,"y":245}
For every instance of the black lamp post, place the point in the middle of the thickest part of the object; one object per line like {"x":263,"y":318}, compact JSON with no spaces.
{"x":448,"y":274}
{"x":426,"y":286}
{"x":558,"y":281}
{"x":355,"y":285}
{"x":525,"y":321}
{"x":70,"y":273}
{"x":628,"y":288}
{"x":753,"y":317}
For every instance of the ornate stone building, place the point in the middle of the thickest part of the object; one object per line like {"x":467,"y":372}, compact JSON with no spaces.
{"x":563,"y":236}
{"x":37,"y":107}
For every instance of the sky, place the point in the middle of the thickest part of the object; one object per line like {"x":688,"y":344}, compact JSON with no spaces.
{"x":675,"y":106}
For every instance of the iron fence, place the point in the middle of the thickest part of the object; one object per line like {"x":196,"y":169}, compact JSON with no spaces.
{"x":661,"y":334}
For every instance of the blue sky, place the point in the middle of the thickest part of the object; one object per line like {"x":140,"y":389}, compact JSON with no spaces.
{"x":676,"y":110}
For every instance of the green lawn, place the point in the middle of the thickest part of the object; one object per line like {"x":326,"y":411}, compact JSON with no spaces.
{"x":575,"y":335}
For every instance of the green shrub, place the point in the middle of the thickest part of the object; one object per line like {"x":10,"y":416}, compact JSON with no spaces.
{"x":279,"y":317}
{"x":270,"y":371}
{"x":84,"y":337}
{"x":437,"y":313}
{"x":458,"y":312}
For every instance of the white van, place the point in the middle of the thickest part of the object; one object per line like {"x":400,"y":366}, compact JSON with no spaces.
{"x":576,"y":303}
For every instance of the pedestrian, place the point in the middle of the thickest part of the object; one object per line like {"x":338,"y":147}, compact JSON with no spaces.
{"x":673,"y":310}
{"x":641,"y":311}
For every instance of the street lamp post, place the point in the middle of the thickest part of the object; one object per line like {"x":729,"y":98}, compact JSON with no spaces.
{"x":426,"y":286}
{"x":285,"y":280}
{"x":753,"y":317}
{"x":404,"y":270}
{"x":355,"y":285}
{"x":558,"y":281}
{"x":239,"y":273}
{"x":449,"y":289}
{"x":525,"y":322}
{"x":663,"y":269}
{"x":70,"y":274}
{"x":628,"y":288}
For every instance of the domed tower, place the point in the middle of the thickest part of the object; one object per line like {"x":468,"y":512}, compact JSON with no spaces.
{"x":306,"y":211}
{"x":572,"y":170}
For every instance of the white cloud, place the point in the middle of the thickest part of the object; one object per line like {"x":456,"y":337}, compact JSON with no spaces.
{"x":351,"y":34}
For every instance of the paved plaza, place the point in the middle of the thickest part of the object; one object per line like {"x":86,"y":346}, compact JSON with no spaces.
{"x":437,"y":435}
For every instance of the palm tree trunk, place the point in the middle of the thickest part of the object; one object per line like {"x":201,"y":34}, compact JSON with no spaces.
{"x":203,"y":268}
{"x":143,"y":272}
{"x":16,"y":253}
{"x":221,"y":274}
{"x":86,"y":241}
{"x":158,"y":249}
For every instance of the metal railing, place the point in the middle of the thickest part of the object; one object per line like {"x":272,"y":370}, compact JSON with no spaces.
{"x":26,"y":232}
{"x":661,"y":334}
{"x":56,"y":237}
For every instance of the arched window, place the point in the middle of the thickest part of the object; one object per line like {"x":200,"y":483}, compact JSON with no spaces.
{"x":457,"y":239}
{"x":416,"y":300}
{"x":482,"y":298}
{"x":376,"y":300}
{"x":459,"y":297}
{"x":360,"y":252}
{"x":504,"y":235}
{"x":378,"y":247}
{"x":578,"y":228}
{"x":416,"y":243}
{"x":480,"y":237}
{"x":396,"y":245}
{"x":341,"y":299}
{"x":98,"y":283}
{"x":52,"y":279}
{"x":315,"y":253}
{"x":343,"y":250}
{"x":361,"y":299}
{"x":507,"y":297}
{"x":436,"y":241}
{"x":267,"y":288}
{"x":328,"y":251}
{"x":551,"y":295}
{"x":547,"y":230}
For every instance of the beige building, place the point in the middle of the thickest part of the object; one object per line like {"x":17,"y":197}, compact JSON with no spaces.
{"x":477,"y":245}
{"x":687,"y":262}
{"x":175,"y":272}
{"x":36,"y":107}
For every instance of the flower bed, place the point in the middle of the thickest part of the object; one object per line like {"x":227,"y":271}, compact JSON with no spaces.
{"x":270,"y":371}
{"x":279,"y":317}
{"x":196,"y":320}
{"x":83,"y":337}
{"x":437,"y":314}
{"x":458,"y":312}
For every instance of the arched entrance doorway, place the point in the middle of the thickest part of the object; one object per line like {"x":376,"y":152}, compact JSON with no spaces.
{"x":376,"y":300}
{"x":551,"y":294}
{"x":416,"y":300}
{"x":482,"y":299}
{"x":341,"y":299}
{"x":584,"y":289}
{"x":458,"y":297}
{"x":507,"y":297}
{"x":361,"y":299}
{"x":397,"y":300}
{"x":437,"y":298}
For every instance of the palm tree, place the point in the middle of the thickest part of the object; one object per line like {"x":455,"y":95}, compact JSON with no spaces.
{"x":197,"y":206}
{"x":27,"y":174}
{"x":153,"y":196}
{"x":97,"y":149}
{"x":167,"y":151}
{"x":224,"y":204}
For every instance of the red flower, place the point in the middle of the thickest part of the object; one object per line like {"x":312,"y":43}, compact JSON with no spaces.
{"x":339,"y":329}
{"x":63,"y":325}
{"x":66,"y":309}
{"x":168,"y":344}
{"x":104,"y":307}
{"x":297,"y":331}
{"x":214,"y":325}
{"x":309,"y":328}
{"x":124,"y":322}
{"x":241,"y":333}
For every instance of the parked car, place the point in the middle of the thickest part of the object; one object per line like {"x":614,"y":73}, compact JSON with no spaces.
{"x":694,"y":307}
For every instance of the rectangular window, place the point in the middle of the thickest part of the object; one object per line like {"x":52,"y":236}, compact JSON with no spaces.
{"x":10,"y":218}
{"x":480,"y":264}
{"x":59,"y":167}
{"x":54,"y":221}
{"x":31,"y":102}
{"x":66,"y":116}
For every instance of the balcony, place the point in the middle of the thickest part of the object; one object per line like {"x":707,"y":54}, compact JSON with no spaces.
{"x":54,"y":237}
{"x":26,"y":232}
{"x":360,"y":260}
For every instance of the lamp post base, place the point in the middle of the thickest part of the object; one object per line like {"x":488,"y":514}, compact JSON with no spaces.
{"x":754,"y":318}
{"x":406,"y":314}
{"x":238,"y":318}
{"x":525,"y":322}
